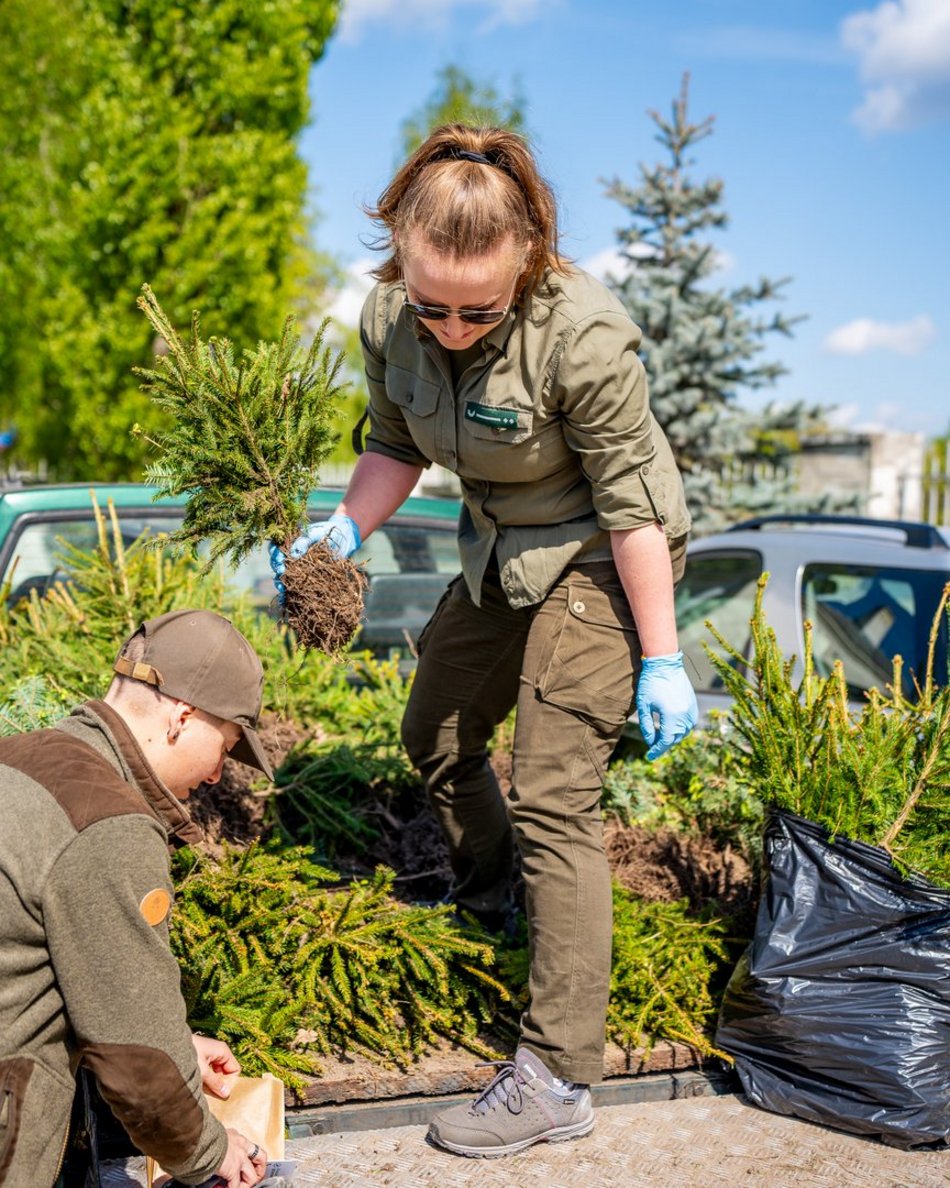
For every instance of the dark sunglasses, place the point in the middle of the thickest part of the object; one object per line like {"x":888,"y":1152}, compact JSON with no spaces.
{"x":473,"y":317}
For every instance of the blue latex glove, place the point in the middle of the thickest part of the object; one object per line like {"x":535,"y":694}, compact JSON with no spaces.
{"x":340,"y":532}
{"x":664,"y":689}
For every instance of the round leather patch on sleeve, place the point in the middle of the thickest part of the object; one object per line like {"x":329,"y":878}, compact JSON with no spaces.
{"x":154,"y":906}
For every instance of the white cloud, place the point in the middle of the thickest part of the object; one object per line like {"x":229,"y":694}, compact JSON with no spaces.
{"x":349,"y":300}
{"x":885,"y":416}
{"x":864,"y":335}
{"x":843,"y":416}
{"x":608,"y":262}
{"x":903,"y":51}
{"x":724,"y":261}
{"x":358,"y":14}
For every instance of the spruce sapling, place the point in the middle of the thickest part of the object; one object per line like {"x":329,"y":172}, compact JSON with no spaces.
{"x":880,"y":774}
{"x":248,"y":435}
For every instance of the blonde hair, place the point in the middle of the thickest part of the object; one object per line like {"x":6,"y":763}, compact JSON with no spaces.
{"x":465,"y":207}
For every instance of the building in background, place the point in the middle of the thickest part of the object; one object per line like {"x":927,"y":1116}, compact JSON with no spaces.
{"x":884,"y":470}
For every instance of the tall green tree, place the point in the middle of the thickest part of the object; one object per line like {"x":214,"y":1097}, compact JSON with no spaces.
{"x":143,"y":141}
{"x":702,"y":344}
{"x":458,"y":98}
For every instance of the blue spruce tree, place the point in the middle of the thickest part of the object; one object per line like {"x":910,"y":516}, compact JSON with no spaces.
{"x":702,"y":344}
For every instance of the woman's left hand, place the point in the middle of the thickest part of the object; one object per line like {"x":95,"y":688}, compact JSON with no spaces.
{"x":218,"y":1065}
{"x":664,"y":690}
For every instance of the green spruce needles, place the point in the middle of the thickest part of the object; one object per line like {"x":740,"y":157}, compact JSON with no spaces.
{"x":880,"y":776}
{"x":246,"y":439}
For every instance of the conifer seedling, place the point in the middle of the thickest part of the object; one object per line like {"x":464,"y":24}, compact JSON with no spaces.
{"x":248,"y":435}
{"x":879,"y":775}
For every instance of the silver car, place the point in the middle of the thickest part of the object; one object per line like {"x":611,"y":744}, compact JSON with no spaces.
{"x":870,"y":589}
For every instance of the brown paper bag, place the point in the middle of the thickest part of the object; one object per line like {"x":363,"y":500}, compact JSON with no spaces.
{"x":255,"y":1108}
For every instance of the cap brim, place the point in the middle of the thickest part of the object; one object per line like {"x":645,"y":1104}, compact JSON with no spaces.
{"x":248,"y":750}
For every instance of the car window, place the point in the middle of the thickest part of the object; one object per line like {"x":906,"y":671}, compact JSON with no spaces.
{"x":395,"y":548}
{"x":38,"y":552}
{"x":411,"y":548}
{"x":409,"y":566}
{"x":865,"y":616}
{"x":720,"y":587}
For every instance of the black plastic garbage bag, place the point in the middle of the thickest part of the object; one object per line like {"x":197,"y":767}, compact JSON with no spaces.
{"x":839,"y":1010}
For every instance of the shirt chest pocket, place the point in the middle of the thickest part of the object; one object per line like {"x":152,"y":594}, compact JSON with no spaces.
{"x":505,"y":444}
{"x":489,"y":422}
{"x":417,"y":399}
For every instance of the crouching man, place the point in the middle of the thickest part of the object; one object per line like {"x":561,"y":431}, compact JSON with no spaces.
{"x":88,"y":810}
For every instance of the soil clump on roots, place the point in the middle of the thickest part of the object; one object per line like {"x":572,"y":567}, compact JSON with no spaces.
{"x":324,"y":596}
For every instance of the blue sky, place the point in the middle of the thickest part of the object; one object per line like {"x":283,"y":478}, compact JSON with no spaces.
{"x":832,"y":136}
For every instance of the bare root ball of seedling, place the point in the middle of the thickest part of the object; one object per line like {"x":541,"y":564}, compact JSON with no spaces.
{"x":324,"y":598}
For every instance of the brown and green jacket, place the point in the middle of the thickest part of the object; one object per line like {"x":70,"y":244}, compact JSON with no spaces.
{"x":86,"y":973}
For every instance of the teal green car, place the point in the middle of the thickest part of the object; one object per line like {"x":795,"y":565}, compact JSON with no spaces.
{"x":409,"y":560}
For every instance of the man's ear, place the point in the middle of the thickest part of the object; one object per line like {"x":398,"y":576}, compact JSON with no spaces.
{"x":178,"y":717}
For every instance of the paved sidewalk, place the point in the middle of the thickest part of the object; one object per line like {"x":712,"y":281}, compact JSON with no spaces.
{"x":698,"y":1141}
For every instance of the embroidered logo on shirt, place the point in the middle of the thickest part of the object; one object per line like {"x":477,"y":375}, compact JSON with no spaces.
{"x":154,"y":906}
{"x":486,"y":414}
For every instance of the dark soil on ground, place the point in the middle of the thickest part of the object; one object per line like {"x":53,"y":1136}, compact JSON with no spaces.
{"x":665,"y":865}
{"x":413,"y":846}
{"x":657,"y":865}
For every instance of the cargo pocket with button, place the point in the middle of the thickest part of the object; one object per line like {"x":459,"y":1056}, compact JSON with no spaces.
{"x":590,"y":665}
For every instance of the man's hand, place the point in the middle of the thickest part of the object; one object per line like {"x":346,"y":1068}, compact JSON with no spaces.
{"x":244,"y":1163}
{"x":218,"y":1066}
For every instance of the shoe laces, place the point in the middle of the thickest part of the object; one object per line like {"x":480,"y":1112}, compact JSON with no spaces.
{"x":505,"y":1088}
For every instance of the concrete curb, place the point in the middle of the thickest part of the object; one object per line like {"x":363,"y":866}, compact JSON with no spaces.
{"x":306,"y":1122}
{"x":448,"y":1069}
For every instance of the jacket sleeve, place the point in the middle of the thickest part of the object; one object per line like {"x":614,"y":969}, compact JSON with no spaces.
{"x":105,"y":908}
{"x":601,"y":388}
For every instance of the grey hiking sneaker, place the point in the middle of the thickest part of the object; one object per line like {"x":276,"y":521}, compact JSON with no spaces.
{"x":521,"y":1106}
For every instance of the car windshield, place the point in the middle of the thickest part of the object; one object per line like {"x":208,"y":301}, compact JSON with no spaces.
{"x":38,"y":552}
{"x":866,"y":616}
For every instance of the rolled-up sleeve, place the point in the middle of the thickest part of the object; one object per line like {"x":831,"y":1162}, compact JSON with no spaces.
{"x":601,"y":388}
{"x":388,"y":432}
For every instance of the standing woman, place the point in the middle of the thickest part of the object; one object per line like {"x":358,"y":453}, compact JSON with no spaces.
{"x":489,"y":354}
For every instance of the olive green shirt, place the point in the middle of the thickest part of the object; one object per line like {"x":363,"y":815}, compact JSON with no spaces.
{"x":549,"y":429}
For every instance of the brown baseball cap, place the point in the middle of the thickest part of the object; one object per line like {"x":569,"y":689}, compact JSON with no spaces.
{"x":198,"y":657}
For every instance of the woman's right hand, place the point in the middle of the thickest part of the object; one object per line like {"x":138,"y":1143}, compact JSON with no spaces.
{"x":245,"y":1162}
{"x":340,"y":532}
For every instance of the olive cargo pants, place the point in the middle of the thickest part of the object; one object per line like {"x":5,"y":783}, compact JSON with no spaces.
{"x":570,"y":665}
